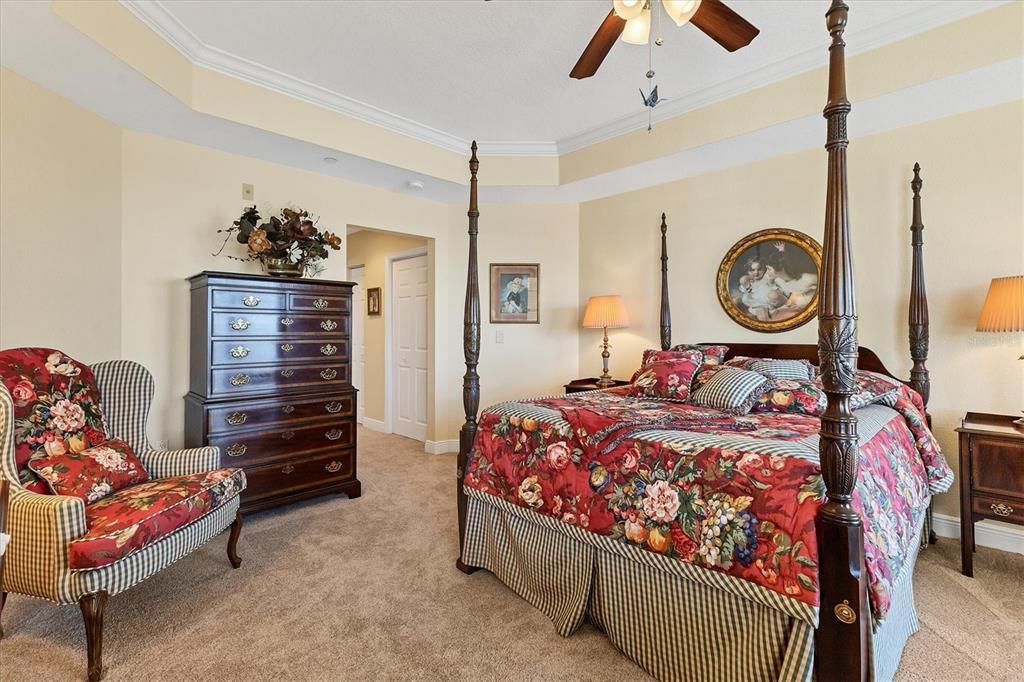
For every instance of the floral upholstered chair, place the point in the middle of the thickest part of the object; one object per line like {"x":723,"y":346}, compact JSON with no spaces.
{"x":93,"y":508}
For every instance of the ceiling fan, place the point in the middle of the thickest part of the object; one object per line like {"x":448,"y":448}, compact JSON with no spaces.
{"x":631,"y":19}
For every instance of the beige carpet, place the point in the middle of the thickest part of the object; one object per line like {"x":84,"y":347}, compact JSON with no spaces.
{"x":367,"y":589}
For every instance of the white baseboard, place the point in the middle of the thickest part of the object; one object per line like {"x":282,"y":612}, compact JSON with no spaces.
{"x":441,"y":447}
{"x":998,"y":536}
{"x":375,"y":424}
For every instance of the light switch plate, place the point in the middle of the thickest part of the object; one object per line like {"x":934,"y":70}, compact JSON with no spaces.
{"x":247,"y":191}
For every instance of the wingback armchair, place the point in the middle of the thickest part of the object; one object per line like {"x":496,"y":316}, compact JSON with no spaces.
{"x":60,"y":423}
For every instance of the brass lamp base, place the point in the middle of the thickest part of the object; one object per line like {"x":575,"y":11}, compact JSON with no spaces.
{"x":605,"y":380}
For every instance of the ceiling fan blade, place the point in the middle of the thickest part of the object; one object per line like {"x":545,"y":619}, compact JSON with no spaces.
{"x":600,"y":44}
{"x":724,"y":26}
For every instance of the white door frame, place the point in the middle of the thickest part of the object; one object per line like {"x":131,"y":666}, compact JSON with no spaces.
{"x":361,"y":311}
{"x":389,"y":389}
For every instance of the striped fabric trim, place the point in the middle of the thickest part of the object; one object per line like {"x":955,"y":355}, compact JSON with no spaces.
{"x":126,"y":392}
{"x":732,"y":389}
{"x":167,"y":463}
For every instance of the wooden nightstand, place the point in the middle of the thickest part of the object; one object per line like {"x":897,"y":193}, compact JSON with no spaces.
{"x":581,"y":385}
{"x":991,"y":477}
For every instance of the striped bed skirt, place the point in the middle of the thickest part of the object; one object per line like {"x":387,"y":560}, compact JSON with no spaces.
{"x":675,"y":620}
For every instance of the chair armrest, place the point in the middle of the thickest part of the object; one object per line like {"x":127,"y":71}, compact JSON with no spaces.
{"x":41,"y":528}
{"x":166,"y":463}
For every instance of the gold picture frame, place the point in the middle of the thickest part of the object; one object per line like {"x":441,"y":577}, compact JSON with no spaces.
{"x":768,"y":281}
{"x":515,"y":293}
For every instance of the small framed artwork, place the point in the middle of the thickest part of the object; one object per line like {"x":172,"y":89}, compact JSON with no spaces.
{"x":768,"y":281}
{"x":515,"y":293}
{"x":373,"y":301}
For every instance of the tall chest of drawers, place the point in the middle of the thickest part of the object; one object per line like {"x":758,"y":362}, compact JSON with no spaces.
{"x":270,"y":383}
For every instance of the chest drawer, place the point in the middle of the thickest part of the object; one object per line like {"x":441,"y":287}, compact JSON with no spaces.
{"x":255,"y":447}
{"x":291,"y":477}
{"x":997,"y":466}
{"x":255,"y":414}
{"x":246,"y":324}
{"x":239,"y":352}
{"x":998,"y":509}
{"x":314,"y":303}
{"x":245,"y":299}
{"x":251,"y":380}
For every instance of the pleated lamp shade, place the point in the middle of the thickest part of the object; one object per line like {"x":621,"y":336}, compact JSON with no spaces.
{"x":1004,"y":306}
{"x":605,"y":311}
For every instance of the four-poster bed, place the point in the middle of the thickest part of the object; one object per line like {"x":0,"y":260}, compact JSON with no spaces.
{"x":788,"y":633}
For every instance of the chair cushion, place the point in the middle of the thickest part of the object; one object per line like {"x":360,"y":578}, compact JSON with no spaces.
{"x":136,"y":517}
{"x":56,"y":407}
{"x":90,"y":474}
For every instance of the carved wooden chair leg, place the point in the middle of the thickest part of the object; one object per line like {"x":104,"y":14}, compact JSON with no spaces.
{"x":92,"y":606}
{"x":3,"y":600}
{"x":236,"y":530}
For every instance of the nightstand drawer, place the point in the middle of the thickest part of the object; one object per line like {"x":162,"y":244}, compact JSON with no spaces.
{"x":997,"y":466}
{"x":1000,"y":510}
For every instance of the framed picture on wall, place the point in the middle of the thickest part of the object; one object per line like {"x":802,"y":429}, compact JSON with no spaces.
{"x":768,"y":281}
{"x":515,"y":293}
{"x":373,"y":301}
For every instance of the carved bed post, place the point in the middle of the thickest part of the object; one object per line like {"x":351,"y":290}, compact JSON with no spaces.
{"x":919,"y":380}
{"x":843,"y":635}
{"x":666,"y":313}
{"x":471,"y":349}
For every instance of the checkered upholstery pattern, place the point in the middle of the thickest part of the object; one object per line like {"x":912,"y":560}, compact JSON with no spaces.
{"x":797,"y":370}
{"x":42,"y":526}
{"x":732,"y":390}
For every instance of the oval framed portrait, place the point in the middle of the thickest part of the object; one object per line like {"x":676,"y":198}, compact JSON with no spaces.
{"x":768,"y":281}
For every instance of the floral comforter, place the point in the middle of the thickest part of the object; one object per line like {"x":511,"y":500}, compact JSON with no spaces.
{"x":733,"y":494}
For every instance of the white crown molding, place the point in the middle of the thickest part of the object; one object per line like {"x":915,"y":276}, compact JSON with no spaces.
{"x":921,"y":19}
{"x":157,"y":17}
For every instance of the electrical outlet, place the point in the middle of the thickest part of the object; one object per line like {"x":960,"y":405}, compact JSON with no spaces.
{"x":248,"y":192}
{"x":162,"y":445}
{"x":499,"y":336}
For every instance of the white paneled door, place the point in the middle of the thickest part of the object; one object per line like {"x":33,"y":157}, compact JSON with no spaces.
{"x":359,"y":337}
{"x":410,"y":347}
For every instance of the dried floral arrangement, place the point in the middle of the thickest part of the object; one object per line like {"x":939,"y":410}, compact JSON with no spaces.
{"x":289,"y":244}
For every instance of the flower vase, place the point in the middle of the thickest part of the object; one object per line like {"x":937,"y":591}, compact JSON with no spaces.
{"x":282,"y":267}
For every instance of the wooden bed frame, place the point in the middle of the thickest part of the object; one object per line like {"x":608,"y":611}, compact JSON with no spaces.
{"x":843,"y":637}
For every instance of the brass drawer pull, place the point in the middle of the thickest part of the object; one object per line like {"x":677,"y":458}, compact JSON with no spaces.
{"x":251,"y":301}
{"x":237,"y":418}
{"x":240,"y":324}
{"x":328,"y":374}
{"x":1001,"y":509}
{"x":333,"y":467}
{"x":287,"y":409}
{"x":287,"y":321}
{"x":287,"y":373}
{"x":240,"y":379}
{"x":287,"y":347}
{"x":334,"y":407}
{"x":240,"y":352}
{"x":320,"y":303}
{"x":287,"y":469}
{"x":334,"y":434}
{"x":328,"y":325}
{"x":328,"y":349}
{"x":237,"y":449}
{"x":288,"y":435}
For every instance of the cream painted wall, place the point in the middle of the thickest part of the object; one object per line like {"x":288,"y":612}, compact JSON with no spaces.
{"x":371,"y":248}
{"x":974,"y":231}
{"x":60,"y":224}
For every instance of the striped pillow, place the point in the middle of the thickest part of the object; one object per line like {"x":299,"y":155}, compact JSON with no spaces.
{"x":731,"y":389}
{"x":794,"y":370}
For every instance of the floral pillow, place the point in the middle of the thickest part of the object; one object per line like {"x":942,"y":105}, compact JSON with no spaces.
{"x":713,"y":355}
{"x":789,"y":396}
{"x":796,"y":370}
{"x":56,"y":407}
{"x":92,"y":473}
{"x":667,"y":376}
{"x":872,"y":387}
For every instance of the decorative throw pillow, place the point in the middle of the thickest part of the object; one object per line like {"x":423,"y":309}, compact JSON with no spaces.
{"x":872,"y":387}
{"x":667,"y":376}
{"x":713,"y":354}
{"x":795,"y":370}
{"x":56,"y":407}
{"x":804,"y":396}
{"x":92,"y":473}
{"x":732,"y":389}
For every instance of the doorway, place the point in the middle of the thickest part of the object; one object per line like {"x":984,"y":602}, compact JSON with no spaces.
{"x":409,"y":344}
{"x":357,"y":274}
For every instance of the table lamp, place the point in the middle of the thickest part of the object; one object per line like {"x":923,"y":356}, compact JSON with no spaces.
{"x":604,"y":312}
{"x":1004,"y":310}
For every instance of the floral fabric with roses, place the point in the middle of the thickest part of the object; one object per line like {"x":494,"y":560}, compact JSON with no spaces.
{"x":56,"y":407}
{"x":732,"y":494}
{"x":90,"y":474}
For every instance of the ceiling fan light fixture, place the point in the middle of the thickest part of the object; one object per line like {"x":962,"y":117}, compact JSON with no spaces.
{"x":627,"y":9}
{"x":638,"y":29}
{"x":681,"y":11}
